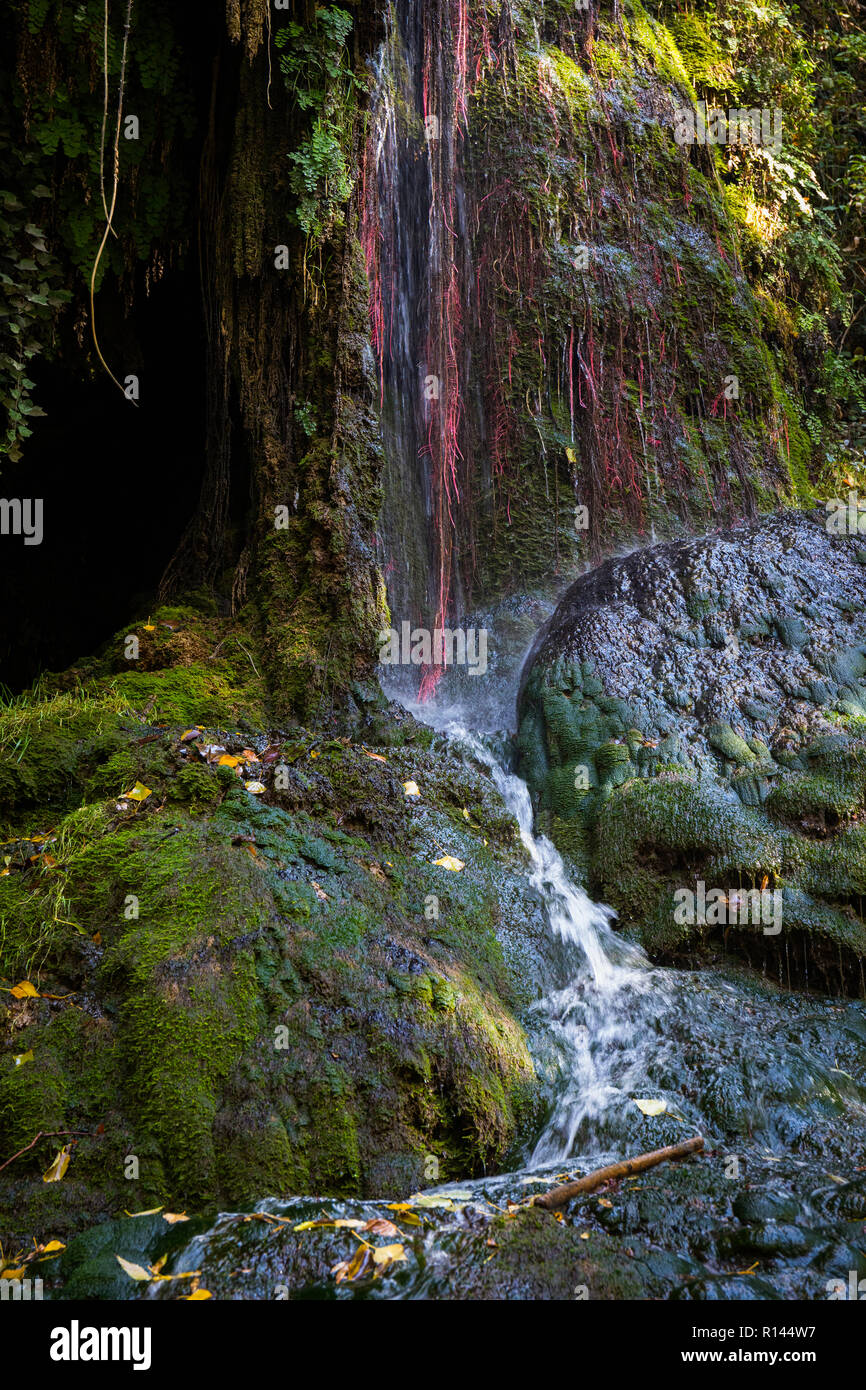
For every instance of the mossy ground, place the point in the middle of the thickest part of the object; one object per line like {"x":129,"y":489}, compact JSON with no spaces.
{"x":254,"y":994}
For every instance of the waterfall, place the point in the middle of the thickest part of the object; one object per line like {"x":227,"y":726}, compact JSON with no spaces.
{"x":415,"y":241}
{"x":606,"y":1018}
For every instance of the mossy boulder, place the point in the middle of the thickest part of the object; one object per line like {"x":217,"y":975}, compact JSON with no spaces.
{"x":722,"y":743}
{"x":243,"y":992}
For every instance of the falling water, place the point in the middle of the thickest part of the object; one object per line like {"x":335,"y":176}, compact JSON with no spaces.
{"x":605,"y":1019}
{"x":413,"y":228}
{"x":397,"y":240}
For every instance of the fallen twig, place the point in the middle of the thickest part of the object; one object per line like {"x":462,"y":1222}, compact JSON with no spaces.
{"x":558,"y":1196}
{"x":50,"y":1134}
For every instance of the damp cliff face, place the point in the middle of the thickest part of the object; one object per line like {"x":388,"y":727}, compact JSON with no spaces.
{"x":424,"y":297}
{"x":571,"y":351}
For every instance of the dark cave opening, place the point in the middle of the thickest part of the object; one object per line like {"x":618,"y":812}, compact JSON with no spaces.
{"x":118,"y":482}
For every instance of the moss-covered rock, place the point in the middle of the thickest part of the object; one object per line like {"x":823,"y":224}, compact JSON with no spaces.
{"x":245,"y":992}
{"x":722,"y":745}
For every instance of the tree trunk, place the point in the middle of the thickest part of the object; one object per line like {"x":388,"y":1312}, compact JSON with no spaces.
{"x":291,"y":389}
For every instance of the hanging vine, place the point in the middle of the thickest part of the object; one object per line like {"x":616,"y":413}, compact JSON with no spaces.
{"x":109,"y":212}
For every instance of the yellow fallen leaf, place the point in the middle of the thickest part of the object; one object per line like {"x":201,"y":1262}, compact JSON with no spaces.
{"x":255,"y":787}
{"x":571,"y":455}
{"x":151,"y":1211}
{"x":14,"y":1273}
{"x":228,"y":760}
{"x":388,"y":1254}
{"x":327,"y":1223}
{"x":449,"y":862}
{"x":320,"y":892}
{"x":377,"y":757}
{"x":352,"y":1269}
{"x":149,"y":627}
{"x":52,"y":1246}
{"x":174,"y":1216}
{"x":652,"y":1107}
{"x":411,"y":789}
{"x":156,"y":1267}
{"x":584,"y":1235}
{"x":138,"y":793}
{"x":24,"y":990}
{"x":407,"y":1215}
{"x":368,"y":1260}
{"x":3,"y":873}
{"x":250,"y":754}
{"x":59,"y":1166}
{"x":22,"y":1058}
{"x":133,"y":1270}
{"x":197,"y":1296}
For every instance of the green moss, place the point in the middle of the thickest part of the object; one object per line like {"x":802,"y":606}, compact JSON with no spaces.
{"x":32,"y":1099}
{"x":654,"y":836}
{"x":660,"y":43}
{"x":537,"y":1257}
{"x":197,"y":787}
{"x":729,"y":744}
{"x":813,"y":794}
{"x":707,"y":63}
{"x":248,"y":1033}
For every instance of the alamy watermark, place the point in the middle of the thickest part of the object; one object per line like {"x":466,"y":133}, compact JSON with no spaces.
{"x":19,"y":1290}
{"x":22,"y":517}
{"x":77,"y":1343}
{"x":443,"y":646}
{"x":854,"y":1291}
{"x":729,"y":907}
{"x":710,"y":125}
{"x":846,"y":518}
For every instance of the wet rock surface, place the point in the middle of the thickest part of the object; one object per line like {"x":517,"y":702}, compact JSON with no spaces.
{"x":696,"y":711}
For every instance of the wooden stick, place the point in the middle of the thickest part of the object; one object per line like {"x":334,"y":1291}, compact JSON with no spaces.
{"x":49,"y":1134}
{"x":558,"y":1196}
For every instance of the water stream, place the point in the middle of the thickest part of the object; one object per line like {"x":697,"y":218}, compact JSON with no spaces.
{"x":775,"y":1081}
